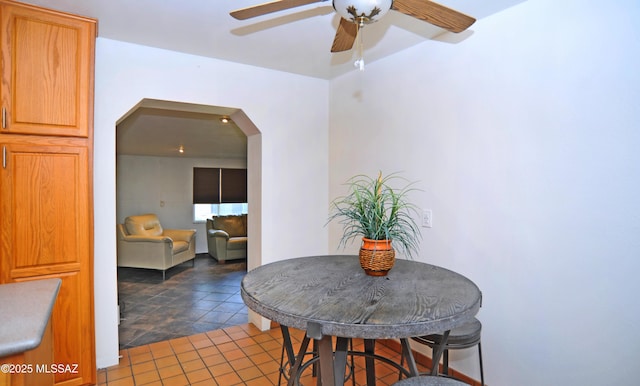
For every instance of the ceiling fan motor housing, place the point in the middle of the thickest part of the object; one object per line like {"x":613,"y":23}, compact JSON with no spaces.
{"x":362,"y":11}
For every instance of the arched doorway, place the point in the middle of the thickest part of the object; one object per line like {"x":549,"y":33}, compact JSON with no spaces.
{"x":149,"y":139}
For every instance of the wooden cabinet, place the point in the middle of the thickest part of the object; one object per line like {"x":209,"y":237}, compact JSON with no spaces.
{"x":47,"y":73}
{"x":46,"y":206}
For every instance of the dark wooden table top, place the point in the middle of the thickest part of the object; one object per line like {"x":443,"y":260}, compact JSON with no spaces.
{"x":333,"y":291}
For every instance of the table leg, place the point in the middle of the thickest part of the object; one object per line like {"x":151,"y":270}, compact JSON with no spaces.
{"x":327,"y":372}
{"x":293,"y":372}
{"x":287,"y":349}
{"x":315,"y":371}
{"x":340,"y":360}
{"x":437,"y":353}
{"x":288,"y":346}
{"x":369,"y":348}
{"x":407,"y":353}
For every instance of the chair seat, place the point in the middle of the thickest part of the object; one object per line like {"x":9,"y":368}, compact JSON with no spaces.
{"x":467,"y":335}
{"x":429,"y":381}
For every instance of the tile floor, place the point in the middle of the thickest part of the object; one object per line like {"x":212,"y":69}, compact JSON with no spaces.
{"x":238,"y":355}
{"x":191,"y":329}
{"x":188,"y":302}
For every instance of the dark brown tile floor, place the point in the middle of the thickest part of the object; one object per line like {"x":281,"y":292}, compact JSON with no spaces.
{"x":190,"y":301}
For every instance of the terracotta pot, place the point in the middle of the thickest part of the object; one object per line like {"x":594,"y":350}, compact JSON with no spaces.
{"x":376,"y":257}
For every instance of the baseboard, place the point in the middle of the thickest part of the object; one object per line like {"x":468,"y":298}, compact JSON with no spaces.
{"x":426,"y":362}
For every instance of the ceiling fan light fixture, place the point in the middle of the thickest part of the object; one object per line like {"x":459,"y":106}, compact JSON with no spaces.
{"x":362,"y":11}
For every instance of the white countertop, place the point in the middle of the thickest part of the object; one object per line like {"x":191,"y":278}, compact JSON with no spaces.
{"x":25,"y":309}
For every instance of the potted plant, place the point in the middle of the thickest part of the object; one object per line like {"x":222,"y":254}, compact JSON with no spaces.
{"x":380,"y":214}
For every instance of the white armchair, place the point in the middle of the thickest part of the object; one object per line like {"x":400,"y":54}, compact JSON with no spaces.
{"x":143,"y":243}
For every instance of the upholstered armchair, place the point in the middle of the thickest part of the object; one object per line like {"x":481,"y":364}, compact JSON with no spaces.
{"x":143,"y":243}
{"x":227,"y":237}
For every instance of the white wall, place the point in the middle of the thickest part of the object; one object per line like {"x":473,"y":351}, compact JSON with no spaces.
{"x":525,"y":139}
{"x":291,"y":113}
{"x":164,"y":186}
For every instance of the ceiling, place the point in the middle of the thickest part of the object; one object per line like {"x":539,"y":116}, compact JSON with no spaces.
{"x":296,"y":41}
{"x":159,"y":128}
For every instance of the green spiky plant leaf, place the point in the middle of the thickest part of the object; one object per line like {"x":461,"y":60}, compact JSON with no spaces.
{"x":375,"y":210}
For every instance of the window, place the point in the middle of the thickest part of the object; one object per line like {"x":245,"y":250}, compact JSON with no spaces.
{"x":218,"y":192}
{"x":201,"y":212}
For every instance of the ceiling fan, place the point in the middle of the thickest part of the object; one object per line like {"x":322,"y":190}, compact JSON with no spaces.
{"x":355,"y":14}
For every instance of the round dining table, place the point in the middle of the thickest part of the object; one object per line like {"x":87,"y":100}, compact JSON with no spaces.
{"x":331,"y":296}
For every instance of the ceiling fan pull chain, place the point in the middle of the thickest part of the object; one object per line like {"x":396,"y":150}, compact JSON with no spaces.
{"x":359,"y":63}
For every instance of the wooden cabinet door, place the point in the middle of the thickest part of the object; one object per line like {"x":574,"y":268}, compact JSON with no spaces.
{"x":47,"y":71}
{"x":46,"y":231}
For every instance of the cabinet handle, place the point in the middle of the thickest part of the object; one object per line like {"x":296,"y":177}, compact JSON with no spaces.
{"x":4,"y":118}
{"x":4,"y":157}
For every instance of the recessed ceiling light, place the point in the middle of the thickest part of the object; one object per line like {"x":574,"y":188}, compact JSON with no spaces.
{"x":225,"y":119}
{"x":181,"y":149}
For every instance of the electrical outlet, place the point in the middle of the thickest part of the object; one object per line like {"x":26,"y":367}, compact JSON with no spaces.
{"x":427,"y":218}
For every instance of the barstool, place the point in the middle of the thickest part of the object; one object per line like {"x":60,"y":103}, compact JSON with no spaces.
{"x":465,"y":336}
{"x":429,"y":380}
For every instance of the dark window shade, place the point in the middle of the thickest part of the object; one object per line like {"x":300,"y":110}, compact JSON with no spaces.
{"x":234,"y":186}
{"x":206,"y":185}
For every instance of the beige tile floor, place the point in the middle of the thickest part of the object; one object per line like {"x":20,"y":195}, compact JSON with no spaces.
{"x":239,"y":355}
